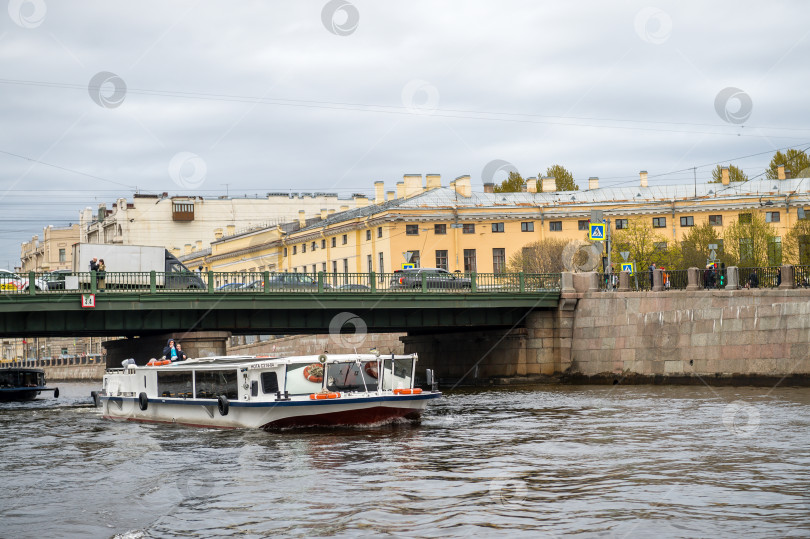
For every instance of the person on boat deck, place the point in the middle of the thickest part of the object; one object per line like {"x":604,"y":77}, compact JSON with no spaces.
{"x":181,"y":356}
{"x":170,"y":351}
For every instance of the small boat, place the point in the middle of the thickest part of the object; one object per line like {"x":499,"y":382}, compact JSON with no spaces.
{"x":267,"y":392}
{"x":20,"y":384}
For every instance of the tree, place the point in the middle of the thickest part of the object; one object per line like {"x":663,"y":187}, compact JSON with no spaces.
{"x":564,"y":180}
{"x":735,"y":174}
{"x":797,"y":164}
{"x":797,"y":243}
{"x":748,"y":241}
{"x":695,"y":247}
{"x":645,"y":246}
{"x":512,"y":184}
{"x":545,"y":256}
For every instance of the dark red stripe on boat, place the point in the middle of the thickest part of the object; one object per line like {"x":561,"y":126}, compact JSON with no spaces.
{"x":362,"y":416}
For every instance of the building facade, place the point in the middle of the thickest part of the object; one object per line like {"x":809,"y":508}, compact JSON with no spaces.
{"x":53,"y":252}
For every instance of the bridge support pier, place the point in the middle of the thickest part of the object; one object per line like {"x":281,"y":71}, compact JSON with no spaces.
{"x":142,"y":349}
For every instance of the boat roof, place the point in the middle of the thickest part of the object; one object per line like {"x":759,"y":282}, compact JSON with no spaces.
{"x":237,"y":361}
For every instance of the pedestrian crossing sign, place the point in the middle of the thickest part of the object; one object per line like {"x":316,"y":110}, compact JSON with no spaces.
{"x":596,"y":231}
{"x":627,"y":266}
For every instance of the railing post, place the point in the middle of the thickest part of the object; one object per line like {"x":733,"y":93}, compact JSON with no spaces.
{"x":693,"y":279}
{"x":93,"y":288}
{"x":424,"y":281}
{"x":153,"y":281}
{"x":473,"y":282}
{"x":32,"y":286}
{"x":733,"y":278}
{"x":522,"y":282}
{"x":266,"y":281}
{"x":658,"y":280}
{"x":320,"y":282}
{"x":788,"y":277}
{"x":372,"y":277}
{"x":624,"y":281}
{"x":210,"y":282}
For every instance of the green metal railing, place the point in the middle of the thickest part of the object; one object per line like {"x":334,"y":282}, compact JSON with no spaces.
{"x":269,"y":283}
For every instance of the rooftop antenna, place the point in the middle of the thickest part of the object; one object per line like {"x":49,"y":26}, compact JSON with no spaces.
{"x":694,"y":172}
{"x":226,"y":188}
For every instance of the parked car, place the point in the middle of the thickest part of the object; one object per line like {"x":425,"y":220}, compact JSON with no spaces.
{"x":288,"y":281}
{"x":56,"y":279}
{"x":435,"y":279}
{"x":230,"y":287}
{"x":355,"y":287}
{"x":11,"y":281}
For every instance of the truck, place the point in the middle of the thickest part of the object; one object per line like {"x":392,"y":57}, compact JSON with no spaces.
{"x":129,"y":266}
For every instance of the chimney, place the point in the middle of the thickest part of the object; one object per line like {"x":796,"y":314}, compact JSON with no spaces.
{"x":463,"y":185}
{"x":360,"y":201}
{"x":230,"y":230}
{"x":643,"y":176}
{"x":593,"y":183}
{"x":302,"y":218}
{"x":323,"y":214}
{"x":379,"y":192}
{"x":434,"y":181}
{"x":489,"y":187}
{"x":187,"y":249}
{"x":344,"y":208}
{"x":400,"y":189}
{"x":331,"y":211}
{"x":218,"y":233}
{"x":198,"y":245}
{"x":724,"y":176}
{"x":390,"y":195}
{"x":413,"y":184}
{"x":549,"y":185}
{"x":531,"y":185}
{"x":780,"y":172}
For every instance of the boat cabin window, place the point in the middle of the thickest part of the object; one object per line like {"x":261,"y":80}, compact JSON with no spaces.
{"x":400,"y":377}
{"x":22,"y":379}
{"x":174,"y":384}
{"x":304,"y":379}
{"x":269,"y":382}
{"x":212,"y":384}
{"x":352,"y":376}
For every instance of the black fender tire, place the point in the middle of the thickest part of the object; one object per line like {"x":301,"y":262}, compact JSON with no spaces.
{"x":96,"y":400}
{"x":56,"y":393}
{"x":143,"y":401}
{"x":223,"y":405}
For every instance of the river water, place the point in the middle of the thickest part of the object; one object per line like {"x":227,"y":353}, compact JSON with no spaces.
{"x":625,"y":461}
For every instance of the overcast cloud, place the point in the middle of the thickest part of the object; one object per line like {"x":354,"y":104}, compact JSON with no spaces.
{"x":276,"y":96}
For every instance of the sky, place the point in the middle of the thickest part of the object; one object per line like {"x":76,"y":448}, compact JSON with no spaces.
{"x":103,"y":99}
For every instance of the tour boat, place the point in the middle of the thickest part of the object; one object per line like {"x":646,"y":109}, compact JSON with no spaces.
{"x":267,"y":392}
{"x":19,"y":384}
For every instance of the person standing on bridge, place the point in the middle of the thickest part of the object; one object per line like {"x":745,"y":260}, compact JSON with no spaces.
{"x":102,"y":273}
{"x":94,"y":264}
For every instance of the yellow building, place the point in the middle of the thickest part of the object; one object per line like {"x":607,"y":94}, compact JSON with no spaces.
{"x":455,"y":228}
{"x":52,"y":252}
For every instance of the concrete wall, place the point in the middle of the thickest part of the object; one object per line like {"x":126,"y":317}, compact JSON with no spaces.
{"x":74,"y":373}
{"x":386,"y":343}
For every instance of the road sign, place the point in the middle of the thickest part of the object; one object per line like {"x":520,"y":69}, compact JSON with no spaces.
{"x":713,"y":255}
{"x":596,"y":216}
{"x":627,"y":266}
{"x":88,"y":301}
{"x":596,"y":231}
{"x":408,"y":266}
{"x":625,"y":255}
{"x":712,"y":246}
{"x":407,"y":255}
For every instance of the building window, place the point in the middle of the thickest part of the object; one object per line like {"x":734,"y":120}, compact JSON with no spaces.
{"x":440,"y":229}
{"x":62,"y":255}
{"x":313,"y":245}
{"x":497,"y":227}
{"x":285,"y":252}
{"x":498,"y":260}
{"x":555,"y":226}
{"x":414,"y":258}
{"x":323,"y":244}
{"x":660,"y":246}
{"x":441,"y":259}
{"x":775,"y":252}
{"x":295,"y":249}
{"x":368,"y":235}
{"x":323,"y":267}
{"x":345,"y":265}
{"x":345,"y":239}
{"x":382,"y":266}
{"x":582,"y":224}
{"x":303,"y":248}
{"x":746,"y":251}
{"x":772,"y":217}
{"x":334,"y":266}
{"x":527,"y":227}
{"x":368,"y":262}
{"x":468,"y":228}
{"x":745,"y":218}
{"x":411,"y":230}
{"x":469,"y":260}
{"x":334,"y":241}
{"x":621,"y":224}
{"x":716,"y":220}
{"x":379,"y":232}
{"x":688,"y":221}
{"x":314,"y":268}
{"x":659,"y":222}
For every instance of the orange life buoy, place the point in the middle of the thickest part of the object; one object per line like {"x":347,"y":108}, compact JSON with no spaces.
{"x":414,"y":391}
{"x":322,"y":396}
{"x":371,"y":369}
{"x":152,"y":363}
{"x":314,"y":373}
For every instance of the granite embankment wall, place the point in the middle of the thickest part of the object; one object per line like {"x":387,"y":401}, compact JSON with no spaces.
{"x":74,"y":373}
{"x":700,"y":334}
{"x":386,"y":343}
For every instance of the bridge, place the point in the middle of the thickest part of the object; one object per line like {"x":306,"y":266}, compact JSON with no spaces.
{"x":134,"y":304}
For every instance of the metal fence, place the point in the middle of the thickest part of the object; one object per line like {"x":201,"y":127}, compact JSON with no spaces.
{"x":802,"y":276}
{"x":767,"y":277}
